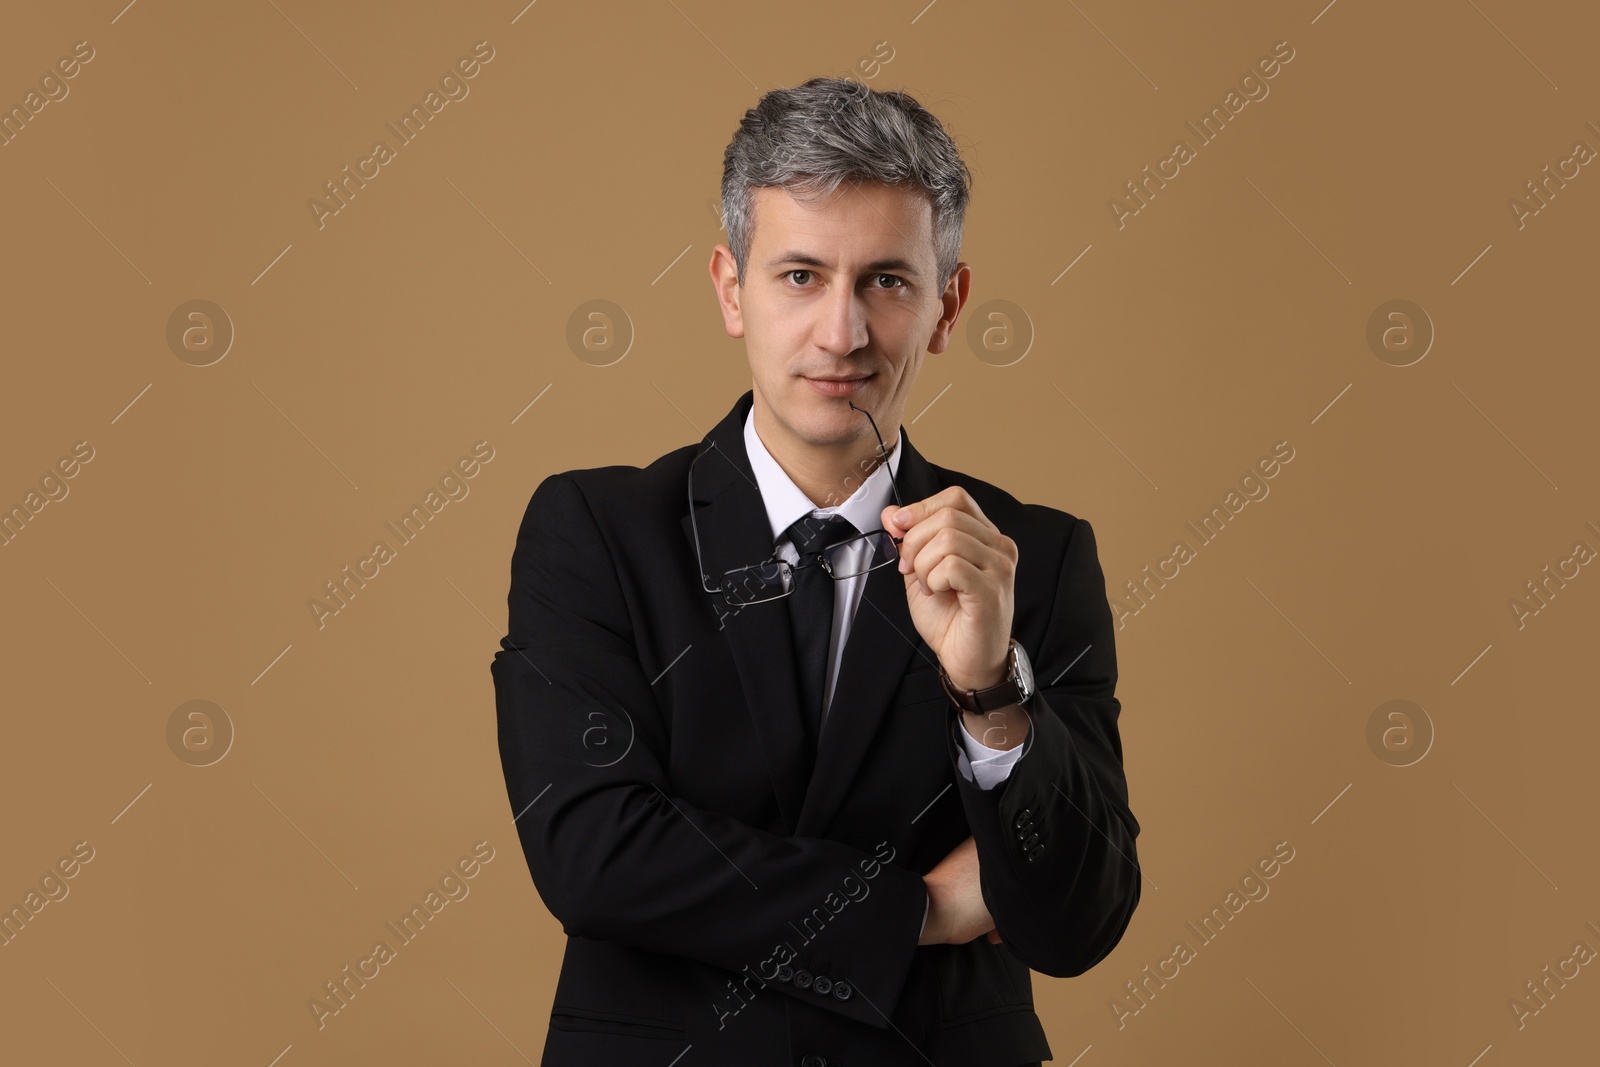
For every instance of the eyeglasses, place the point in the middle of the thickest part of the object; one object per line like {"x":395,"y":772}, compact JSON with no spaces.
{"x":774,"y":578}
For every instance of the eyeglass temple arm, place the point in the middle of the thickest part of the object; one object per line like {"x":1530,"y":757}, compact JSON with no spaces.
{"x":884,"y":454}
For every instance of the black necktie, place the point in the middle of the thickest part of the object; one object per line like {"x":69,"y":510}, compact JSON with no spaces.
{"x":811,"y":610}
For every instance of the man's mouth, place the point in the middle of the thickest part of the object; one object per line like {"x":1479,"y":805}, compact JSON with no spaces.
{"x":836,"y":386}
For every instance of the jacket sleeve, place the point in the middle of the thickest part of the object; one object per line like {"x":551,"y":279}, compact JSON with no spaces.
{"x":614,"y":852}
{"x":1057,"y":864}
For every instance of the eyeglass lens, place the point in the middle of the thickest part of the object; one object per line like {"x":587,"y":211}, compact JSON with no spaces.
{"x":766,"y":581}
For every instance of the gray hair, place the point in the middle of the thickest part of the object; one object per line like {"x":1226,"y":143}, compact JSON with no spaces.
{"x":811,"y":138}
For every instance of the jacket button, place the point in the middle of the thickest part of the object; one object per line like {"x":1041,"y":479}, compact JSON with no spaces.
{"x":1029,"y":841}
{"x":842,"y":990}
{"x":1033,"y":854}
{"x":813,"y":1060}
{"x":785,"y":973}
{"x":802,"y":979}
{"x":821,"y":984}
{"x":1022,"y":816}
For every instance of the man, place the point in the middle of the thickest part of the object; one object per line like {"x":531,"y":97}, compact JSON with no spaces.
{"x":806,"y":778}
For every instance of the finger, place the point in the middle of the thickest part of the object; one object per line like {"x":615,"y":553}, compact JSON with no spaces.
{"x":958,"y":561}
{"x":917,"y":537}
{"x":953,"y":574}
{"x":949,"y":496}
{"x":921,"y":560}
{"x":953,"y":496}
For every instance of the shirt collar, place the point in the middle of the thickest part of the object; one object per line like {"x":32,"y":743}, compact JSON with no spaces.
{"x":786,"y":503}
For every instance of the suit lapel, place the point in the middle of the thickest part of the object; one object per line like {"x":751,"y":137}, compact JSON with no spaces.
{"x":734,"y":532}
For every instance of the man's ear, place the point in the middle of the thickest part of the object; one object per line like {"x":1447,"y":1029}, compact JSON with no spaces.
{"x":725,"y":281}
{"x":951,"y":300}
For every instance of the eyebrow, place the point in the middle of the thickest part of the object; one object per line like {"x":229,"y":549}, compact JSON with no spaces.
{"x":892,"y":263}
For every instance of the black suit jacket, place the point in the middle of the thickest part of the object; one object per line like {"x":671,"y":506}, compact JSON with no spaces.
{"x":720,"y":904}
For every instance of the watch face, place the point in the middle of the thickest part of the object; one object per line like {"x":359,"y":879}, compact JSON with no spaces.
{"x":1024,"y":673}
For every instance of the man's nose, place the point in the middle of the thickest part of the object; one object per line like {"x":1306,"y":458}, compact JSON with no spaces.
{"x":841,"y":326}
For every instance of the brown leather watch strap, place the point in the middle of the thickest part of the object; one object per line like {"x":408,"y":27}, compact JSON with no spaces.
{"x":977,"y":701}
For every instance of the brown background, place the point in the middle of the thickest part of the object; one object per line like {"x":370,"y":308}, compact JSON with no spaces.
{"x":368,"y":355}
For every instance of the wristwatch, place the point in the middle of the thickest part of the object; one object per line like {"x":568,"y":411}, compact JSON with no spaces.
{"x":1015,"y":688}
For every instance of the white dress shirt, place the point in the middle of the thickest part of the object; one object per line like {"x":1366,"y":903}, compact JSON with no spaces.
{"x":786,"y":504}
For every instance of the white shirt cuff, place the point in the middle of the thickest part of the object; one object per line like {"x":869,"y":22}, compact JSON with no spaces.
{"x":982,"y":764}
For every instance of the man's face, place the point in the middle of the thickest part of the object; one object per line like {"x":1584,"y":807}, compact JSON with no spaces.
{"x":842,"y":287}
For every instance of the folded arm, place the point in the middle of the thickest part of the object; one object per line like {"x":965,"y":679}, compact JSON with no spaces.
{"x":1055,"y":839}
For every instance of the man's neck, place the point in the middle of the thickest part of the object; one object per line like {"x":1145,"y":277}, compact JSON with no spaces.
{"x":828,"y":476}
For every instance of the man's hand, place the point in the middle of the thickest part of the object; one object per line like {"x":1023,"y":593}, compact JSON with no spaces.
{"x":956,"y":912}
{"x":960,"y":574}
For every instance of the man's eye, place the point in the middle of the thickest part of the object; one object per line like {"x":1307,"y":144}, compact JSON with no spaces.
{"x":801,"y":277}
